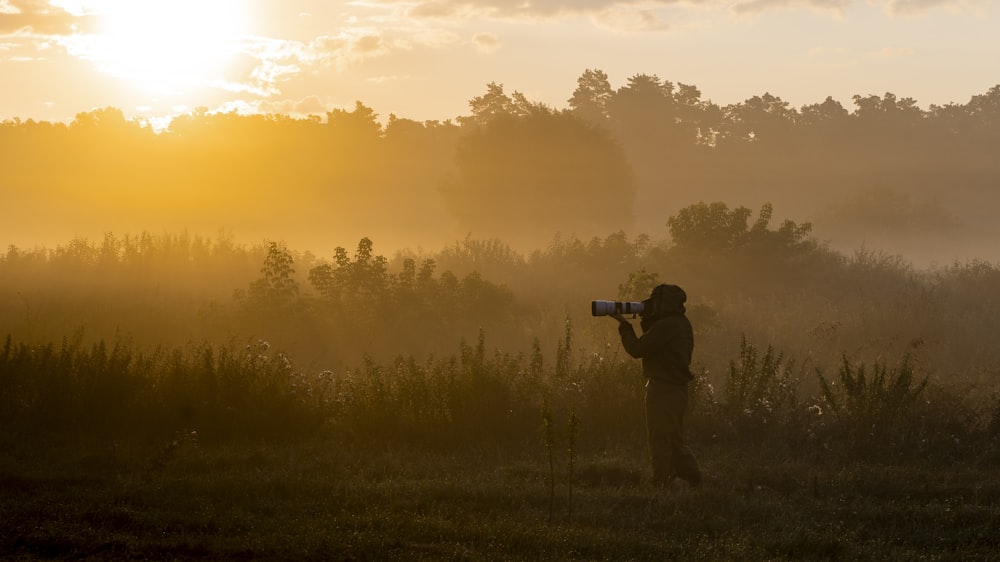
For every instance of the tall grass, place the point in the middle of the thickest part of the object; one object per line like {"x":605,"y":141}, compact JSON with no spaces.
{"x":476,"y":398}
{"x":375,"y":350}
{"x":110,"y":390}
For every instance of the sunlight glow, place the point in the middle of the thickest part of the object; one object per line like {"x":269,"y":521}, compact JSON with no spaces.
{"x":168,"y":45}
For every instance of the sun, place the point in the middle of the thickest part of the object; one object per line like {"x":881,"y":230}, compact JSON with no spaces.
{"x":168,"y":45}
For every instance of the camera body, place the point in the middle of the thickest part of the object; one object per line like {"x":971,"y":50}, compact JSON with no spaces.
{"x":605,"y":308}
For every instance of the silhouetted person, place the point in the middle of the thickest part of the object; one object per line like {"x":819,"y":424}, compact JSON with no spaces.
{"x":665,"y":348}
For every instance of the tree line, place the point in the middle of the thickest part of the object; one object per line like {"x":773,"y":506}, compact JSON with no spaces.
{"x":613,"y":158}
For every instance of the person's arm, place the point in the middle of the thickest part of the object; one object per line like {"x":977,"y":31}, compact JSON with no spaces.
{"x":640,"y":346}
{"x":632,"y":343}
{"x":629,"y":340}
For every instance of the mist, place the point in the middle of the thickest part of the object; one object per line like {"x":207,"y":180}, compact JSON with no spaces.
{"x":545,"y":205}
{"x":319,"y":329}
{"x":884,"y":176}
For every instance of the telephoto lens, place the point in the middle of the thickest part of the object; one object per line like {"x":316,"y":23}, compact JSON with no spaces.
{"x":605,"y":308}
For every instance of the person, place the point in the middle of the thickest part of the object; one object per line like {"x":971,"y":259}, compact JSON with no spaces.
{"x":665,"y":349}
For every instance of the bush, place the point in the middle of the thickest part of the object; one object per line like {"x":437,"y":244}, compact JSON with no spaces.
{"x":873,"y":409}
{"x":760,"y":395}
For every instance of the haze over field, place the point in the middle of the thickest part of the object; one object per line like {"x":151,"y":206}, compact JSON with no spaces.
{"x":310,"y":279}
{"x":198,"y":201}
{"x":686,"y":78}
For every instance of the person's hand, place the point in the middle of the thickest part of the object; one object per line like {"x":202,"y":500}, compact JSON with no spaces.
{"x":621,"y":319}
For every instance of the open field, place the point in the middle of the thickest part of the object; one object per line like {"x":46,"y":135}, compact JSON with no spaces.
{"x":169,"y":398}
{"x":284,"y":330}
{"x":315,"y":499}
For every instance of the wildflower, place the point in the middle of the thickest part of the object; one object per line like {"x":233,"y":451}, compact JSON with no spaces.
{"x":766,"y":404}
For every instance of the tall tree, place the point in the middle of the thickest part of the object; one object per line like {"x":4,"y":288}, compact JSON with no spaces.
{"x":361,"y":125}
{"x":495,"y":104}
{"x":643,"y":112}
{"x":591,"y":98}
{"x":760,"y":119}
{"x":525,"y":178}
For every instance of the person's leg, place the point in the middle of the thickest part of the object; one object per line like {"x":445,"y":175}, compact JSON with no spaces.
{"x":685,"y":465}
{"x":666,"y":406}
{"x":658,"y":430}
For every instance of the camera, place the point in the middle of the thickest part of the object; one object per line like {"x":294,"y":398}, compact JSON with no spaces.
{"x":604,"y":308}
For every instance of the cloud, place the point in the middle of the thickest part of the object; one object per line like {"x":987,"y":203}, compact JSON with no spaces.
{"x":435,"y":10}
{"x":616,"y":15}
{"x":309,"y":105}
{"x":599,"y":9}
{"x":629,"y":20}
{"x":35,"y":16}
{"x":757,"y":6}
{"x":486,"y":42}
{"x":268,"y":62}
{"x":386,"y":78}
{"x":537,"y":8}
{"x":892,"y":7}
{"x":239,"y":107}
{"x":890,"y":53}
{"x":913,"y":7}
{"x":369,"y":45}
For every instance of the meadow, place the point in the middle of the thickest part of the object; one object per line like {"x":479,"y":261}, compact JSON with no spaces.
{"x":176,"y":397}
{"x":319,"y":500}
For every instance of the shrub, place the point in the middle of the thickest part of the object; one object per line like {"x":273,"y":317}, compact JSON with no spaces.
{"x":760,"y":395}
{"x":871,"y":407}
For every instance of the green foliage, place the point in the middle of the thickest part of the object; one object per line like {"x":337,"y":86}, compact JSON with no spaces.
{"x":761,"y":393}
{"x":550,"y":445}
{"x":365,"y":285}
{"x":361,"y":126}
{"x":711,"y":227}
{"x":495,"y":105}
{"x":759,"y":119}
{"x":219,"y":392}
{"x":471,"y":398}
{"x":492,"y":258}
{"x":638,"y":286}
{"x":183,"y":498}
{"x":591,"y":97}
{"x":350,"y":282}
{"x":573,"y":435}
{"x":651,"y":140}
{"x":380,"y":336}
{"x":716,"y":228}
{"x":412,"y":309}
{"x":278,"y":288}
{"x":564,"y":354}
{"x":874,"y":408}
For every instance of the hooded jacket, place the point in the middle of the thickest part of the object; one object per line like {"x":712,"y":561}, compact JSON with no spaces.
{"x":665,"y":347}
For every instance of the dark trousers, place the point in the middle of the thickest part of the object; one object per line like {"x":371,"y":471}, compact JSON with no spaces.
{"x":666,"y":405}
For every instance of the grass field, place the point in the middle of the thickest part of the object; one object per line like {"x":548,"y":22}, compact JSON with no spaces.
{"x":315,"y":499}
{"x":845,"y":425}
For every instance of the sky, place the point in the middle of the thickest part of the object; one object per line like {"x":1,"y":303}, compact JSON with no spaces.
{"x":425,"y":60}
